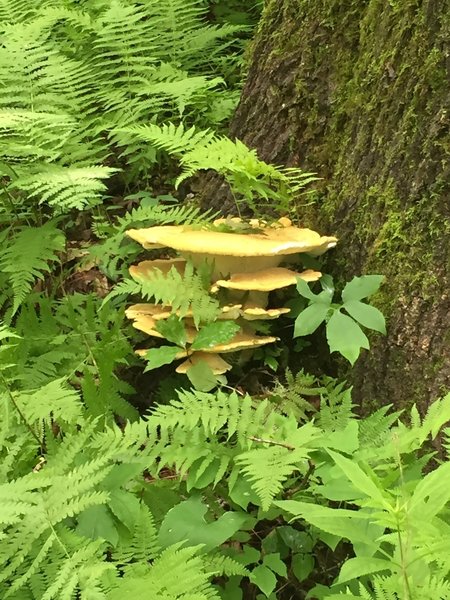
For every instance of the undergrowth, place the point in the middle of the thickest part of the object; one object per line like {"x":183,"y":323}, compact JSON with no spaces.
{"x":107,"y":109}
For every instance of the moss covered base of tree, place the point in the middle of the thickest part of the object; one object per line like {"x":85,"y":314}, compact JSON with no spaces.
{"x":358,"y":92}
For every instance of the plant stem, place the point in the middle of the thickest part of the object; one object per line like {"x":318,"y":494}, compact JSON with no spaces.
{"x":19,"y":411}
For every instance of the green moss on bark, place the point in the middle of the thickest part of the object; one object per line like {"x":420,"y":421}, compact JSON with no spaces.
{"x":358,"y":91}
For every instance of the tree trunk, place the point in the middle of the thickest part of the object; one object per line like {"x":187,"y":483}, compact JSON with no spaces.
{"x":358,"y":91}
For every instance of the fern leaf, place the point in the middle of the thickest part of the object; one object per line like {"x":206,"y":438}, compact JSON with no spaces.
{"x":27,"y":255}
{"x":65,"y":188}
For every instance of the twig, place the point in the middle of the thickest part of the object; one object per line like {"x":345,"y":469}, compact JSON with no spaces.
{"x":262,"y":441}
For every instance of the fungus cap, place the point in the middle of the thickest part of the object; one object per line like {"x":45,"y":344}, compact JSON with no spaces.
{"x":269,"y":242}
{"x":160,"y":311}
{"x":147,"y":324}
{"x":265,"y":280}
{"x":214,"y":361}
{"x":144,"y":269}
{"x":241,"y":341}
{"x":253,"y":313}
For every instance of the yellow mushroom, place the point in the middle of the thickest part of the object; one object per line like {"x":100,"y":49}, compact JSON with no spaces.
{"x":214,"y":361}
{"x":147,"y":324}
{"x":253,"y":312}
{"x":241,"y":341}
{"x":144,"y":269}
{"x":234,"y":252}
{"x":265,"y":280}
{"x":159,"y":311}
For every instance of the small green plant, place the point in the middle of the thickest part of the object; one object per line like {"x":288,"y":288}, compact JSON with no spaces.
{"x":344,"y":332}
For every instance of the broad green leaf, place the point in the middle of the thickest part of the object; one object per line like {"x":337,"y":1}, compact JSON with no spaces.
{"x":345,"y":336}
{"x":126,"y":507}
{"x":310,"y":319}
{"x":297,"y":541}
{"x":432,"y":493}
{"x":157,"y":357}
{"x":173,"y":330}
{"x":368,"y":316}
{"x":218,"y":332}
{"x":354,"y":568}
{"x":359,"y":479}
{"x":345,"y":440}
{"x":264,"y":579}
{"x":242,"y":493}
{"x":248,"y":556}
{"x":302,"y":565}
{"x":326,"y":281}
{"x":202,"y":377}
{"x":185,"y":522}
{"x":343,"y":523}
{"x":361,"y":287}
{"x":274,"y":562}
{"x":304,"y":290}
{"x":97,"y":522}
{"x":232,"y":589}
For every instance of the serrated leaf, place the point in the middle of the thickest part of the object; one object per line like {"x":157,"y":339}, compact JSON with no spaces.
{"x":345,"y":336}
{"x":361,"y":287}
{"x":359,"y":479}
{"x":264,"y":579}
{"x":202,"y":376}
{"x":367,"y":315}
{"x":215,"y":333}
{"x":173,"y":330}
{"x":310,"y":319}
{"x":157,"y":357}
{"x":340,"y":522}
{"x":354,"y":568}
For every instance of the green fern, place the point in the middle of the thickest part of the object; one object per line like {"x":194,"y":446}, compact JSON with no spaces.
{"x":202,"y":150}
{"x":336,"y":407}
{"x":181,"y":292}
{"x":27,"y":257}
{"x":65,"y":188}
{"x":293,"y":396}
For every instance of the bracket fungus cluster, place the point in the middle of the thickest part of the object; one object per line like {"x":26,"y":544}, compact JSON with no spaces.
{"x":244,"y":264}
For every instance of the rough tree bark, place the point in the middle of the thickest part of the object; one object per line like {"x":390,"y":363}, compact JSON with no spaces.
{"x":358,"y":91}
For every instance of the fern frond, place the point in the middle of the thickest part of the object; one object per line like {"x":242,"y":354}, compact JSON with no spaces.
{"x":177,"y":574}
{"x":183,"y":292}
{"x":54,"y":401}
{"x":336,"y":407}
{"x":65,"y":188}
{"x":142,"y":545}
{"x":27,"y":255}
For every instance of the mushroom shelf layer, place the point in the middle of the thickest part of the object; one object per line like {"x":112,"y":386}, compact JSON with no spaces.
{"x":269,"y":242}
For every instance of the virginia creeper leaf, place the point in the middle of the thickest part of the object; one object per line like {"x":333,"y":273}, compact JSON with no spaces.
{"x":173,"y":330}
{"x":310,"y":319}
{"x":157,"y":357}
{"x":345,"y":336}
{"x":361,"y":287}
{"x":202,"y":377}
{"x":215,"y":333}
{"x":368,"y":316}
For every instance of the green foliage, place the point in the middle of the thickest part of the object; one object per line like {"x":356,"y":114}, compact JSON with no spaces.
{"x":198,"y":150}
{"x":182,"y":292}
{"x":26,"y":255}
{"x":344,"y":333}
{"x":191,"y":500}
